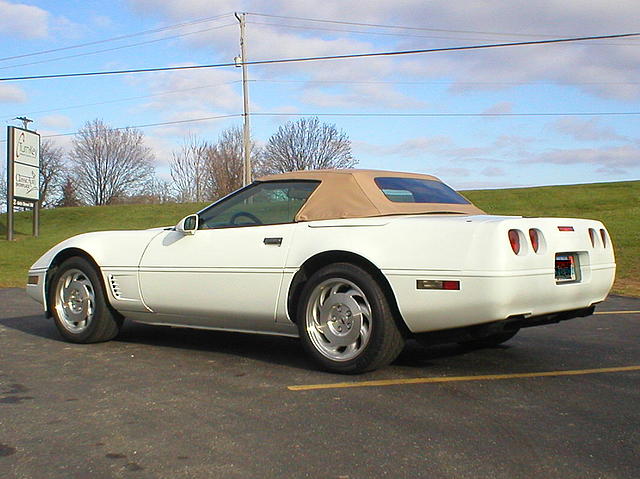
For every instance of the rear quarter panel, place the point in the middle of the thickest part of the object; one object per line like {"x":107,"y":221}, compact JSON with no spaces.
{"x":495,"y":283}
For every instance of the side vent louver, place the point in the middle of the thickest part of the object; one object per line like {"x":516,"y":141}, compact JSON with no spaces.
{"x":115,"y":287}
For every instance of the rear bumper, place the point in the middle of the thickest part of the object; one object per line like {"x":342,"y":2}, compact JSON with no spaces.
{"x":513,"y":324}
{"x":489,"y":297}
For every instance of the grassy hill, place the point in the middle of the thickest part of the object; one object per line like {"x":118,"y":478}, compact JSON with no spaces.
{"x":616,"y":204}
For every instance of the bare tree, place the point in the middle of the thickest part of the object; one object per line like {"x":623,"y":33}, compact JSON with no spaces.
{"x":109,"y":163}
{"x":225,"y":165}
{"x":52,"y":171}
{"x":160,"y":191}
{"x":202,"y":171}
{"x":307,"y":144}
{"x":188,"y":170}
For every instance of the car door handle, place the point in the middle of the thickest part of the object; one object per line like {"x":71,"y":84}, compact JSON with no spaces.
{"x":273,"y":241}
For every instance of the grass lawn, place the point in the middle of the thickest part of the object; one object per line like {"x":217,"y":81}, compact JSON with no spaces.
{"x":617,"y":205}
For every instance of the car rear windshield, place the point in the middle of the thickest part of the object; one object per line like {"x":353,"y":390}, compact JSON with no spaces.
{"x":414,"y":190}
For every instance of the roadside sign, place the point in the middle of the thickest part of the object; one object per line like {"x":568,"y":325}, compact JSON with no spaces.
{"x":25,"y":156}
{"x":23,"y":174}
{"x":26,"y":147}
{"x":26,"y":184}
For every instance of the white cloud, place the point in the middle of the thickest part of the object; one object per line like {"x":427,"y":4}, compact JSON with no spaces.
{"x":619,"y":158}
{"x":484,"y":184}
{"x":64,"y":142}
{"x":413,"y":147}
{"x":500,"y":108}
{"x":585,"y":130}
{"x":604,"y":68}
{"x":23,"y":21}
{"x":195,"y":90}
{"x":185,"y":8}
{"x":30,"y":22}
{"x":57,"y":122}
{"x":179,"y":130}
{"x":492,"y":171}
{"x":62,"y":27}
{"x":161,"y":148}
{"x":367,"y":96}
{"x":612,"y":171}
{"x":101,"y":21}
{"x":12,"y":94}
{"x":514,"y":141}
{"x":452,"y":172}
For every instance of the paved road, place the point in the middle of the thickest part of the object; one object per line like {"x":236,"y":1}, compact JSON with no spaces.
{"x":169,"y":403}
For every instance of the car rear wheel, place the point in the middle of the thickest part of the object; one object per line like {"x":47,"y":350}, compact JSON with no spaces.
{"x":345,"y":321}
{"x":78,"y":304}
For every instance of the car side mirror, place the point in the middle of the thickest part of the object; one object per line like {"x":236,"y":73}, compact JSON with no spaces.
{"x":188,"y":225}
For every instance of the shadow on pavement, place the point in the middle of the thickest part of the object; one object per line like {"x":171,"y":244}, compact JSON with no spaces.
{"x":268,"y":349}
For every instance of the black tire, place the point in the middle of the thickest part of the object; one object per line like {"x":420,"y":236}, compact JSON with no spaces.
{"x":349,"y":293}
{"x":77,"y":301}
{"x":490,"y":341}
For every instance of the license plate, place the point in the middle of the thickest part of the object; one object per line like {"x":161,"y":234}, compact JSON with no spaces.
{"x":565,"y":268}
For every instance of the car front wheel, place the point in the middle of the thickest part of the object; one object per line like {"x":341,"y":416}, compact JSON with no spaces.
{"x":78,"y":304}
{"x":345,"y":321}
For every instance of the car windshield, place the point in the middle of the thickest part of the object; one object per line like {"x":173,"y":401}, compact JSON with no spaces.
{"x":259,"y":204}
{"x":414,"y":190}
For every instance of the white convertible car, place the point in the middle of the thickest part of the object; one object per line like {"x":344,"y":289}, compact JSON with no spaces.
{"x":353,"y":262}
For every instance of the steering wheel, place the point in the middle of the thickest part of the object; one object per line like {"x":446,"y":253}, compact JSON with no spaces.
{"x":246,"y":214}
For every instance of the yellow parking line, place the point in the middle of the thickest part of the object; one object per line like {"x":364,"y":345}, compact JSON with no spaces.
{"x":617,"y":312}
{"x":488,"y":377}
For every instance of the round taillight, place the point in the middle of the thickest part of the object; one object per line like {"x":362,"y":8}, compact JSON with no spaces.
{"x":514,"y":239}
{"x":535,"y":239}
{"x":603,"y":235}
{"x":592,"y":237}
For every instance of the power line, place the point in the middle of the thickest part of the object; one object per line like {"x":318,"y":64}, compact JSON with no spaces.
{"x":139,"y":97}
{"x":325,"y":57}
{"x":374,"y":115}
{"x":356,"y":82}
{"x":446,"y":82}
{"x":120,"y":72}
{"x":401,"y":27}
{"x":148,"y":125}
{"x":121,"y":47}
{"x":454,"y":115}
{"x":361,"y":32}
{"x":121,"y":37}
{"x":411,"y":35}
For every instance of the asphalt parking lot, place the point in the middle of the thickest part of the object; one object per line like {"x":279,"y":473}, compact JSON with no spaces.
{"x":556,"y":401}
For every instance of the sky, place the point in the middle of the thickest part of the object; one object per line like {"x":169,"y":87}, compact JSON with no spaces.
{"x":493,"y":118}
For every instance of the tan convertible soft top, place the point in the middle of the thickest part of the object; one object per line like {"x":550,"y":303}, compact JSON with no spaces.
{"x":354,"y":194}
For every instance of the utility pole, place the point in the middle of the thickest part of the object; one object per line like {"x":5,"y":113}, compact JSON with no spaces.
{"x":246,"y":133}
{"x":25,"y":121}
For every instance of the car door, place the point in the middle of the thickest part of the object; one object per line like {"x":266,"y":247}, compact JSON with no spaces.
{"x":228,"y":273}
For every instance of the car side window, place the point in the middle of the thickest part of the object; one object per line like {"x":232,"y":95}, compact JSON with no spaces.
{"x":265,"y":203}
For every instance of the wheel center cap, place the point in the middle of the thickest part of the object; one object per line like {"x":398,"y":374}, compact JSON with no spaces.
{"x":340,"y":319}
{"x":76,"y":298}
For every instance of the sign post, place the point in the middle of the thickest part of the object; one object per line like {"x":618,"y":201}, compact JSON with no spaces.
{"x":23,"y":175}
